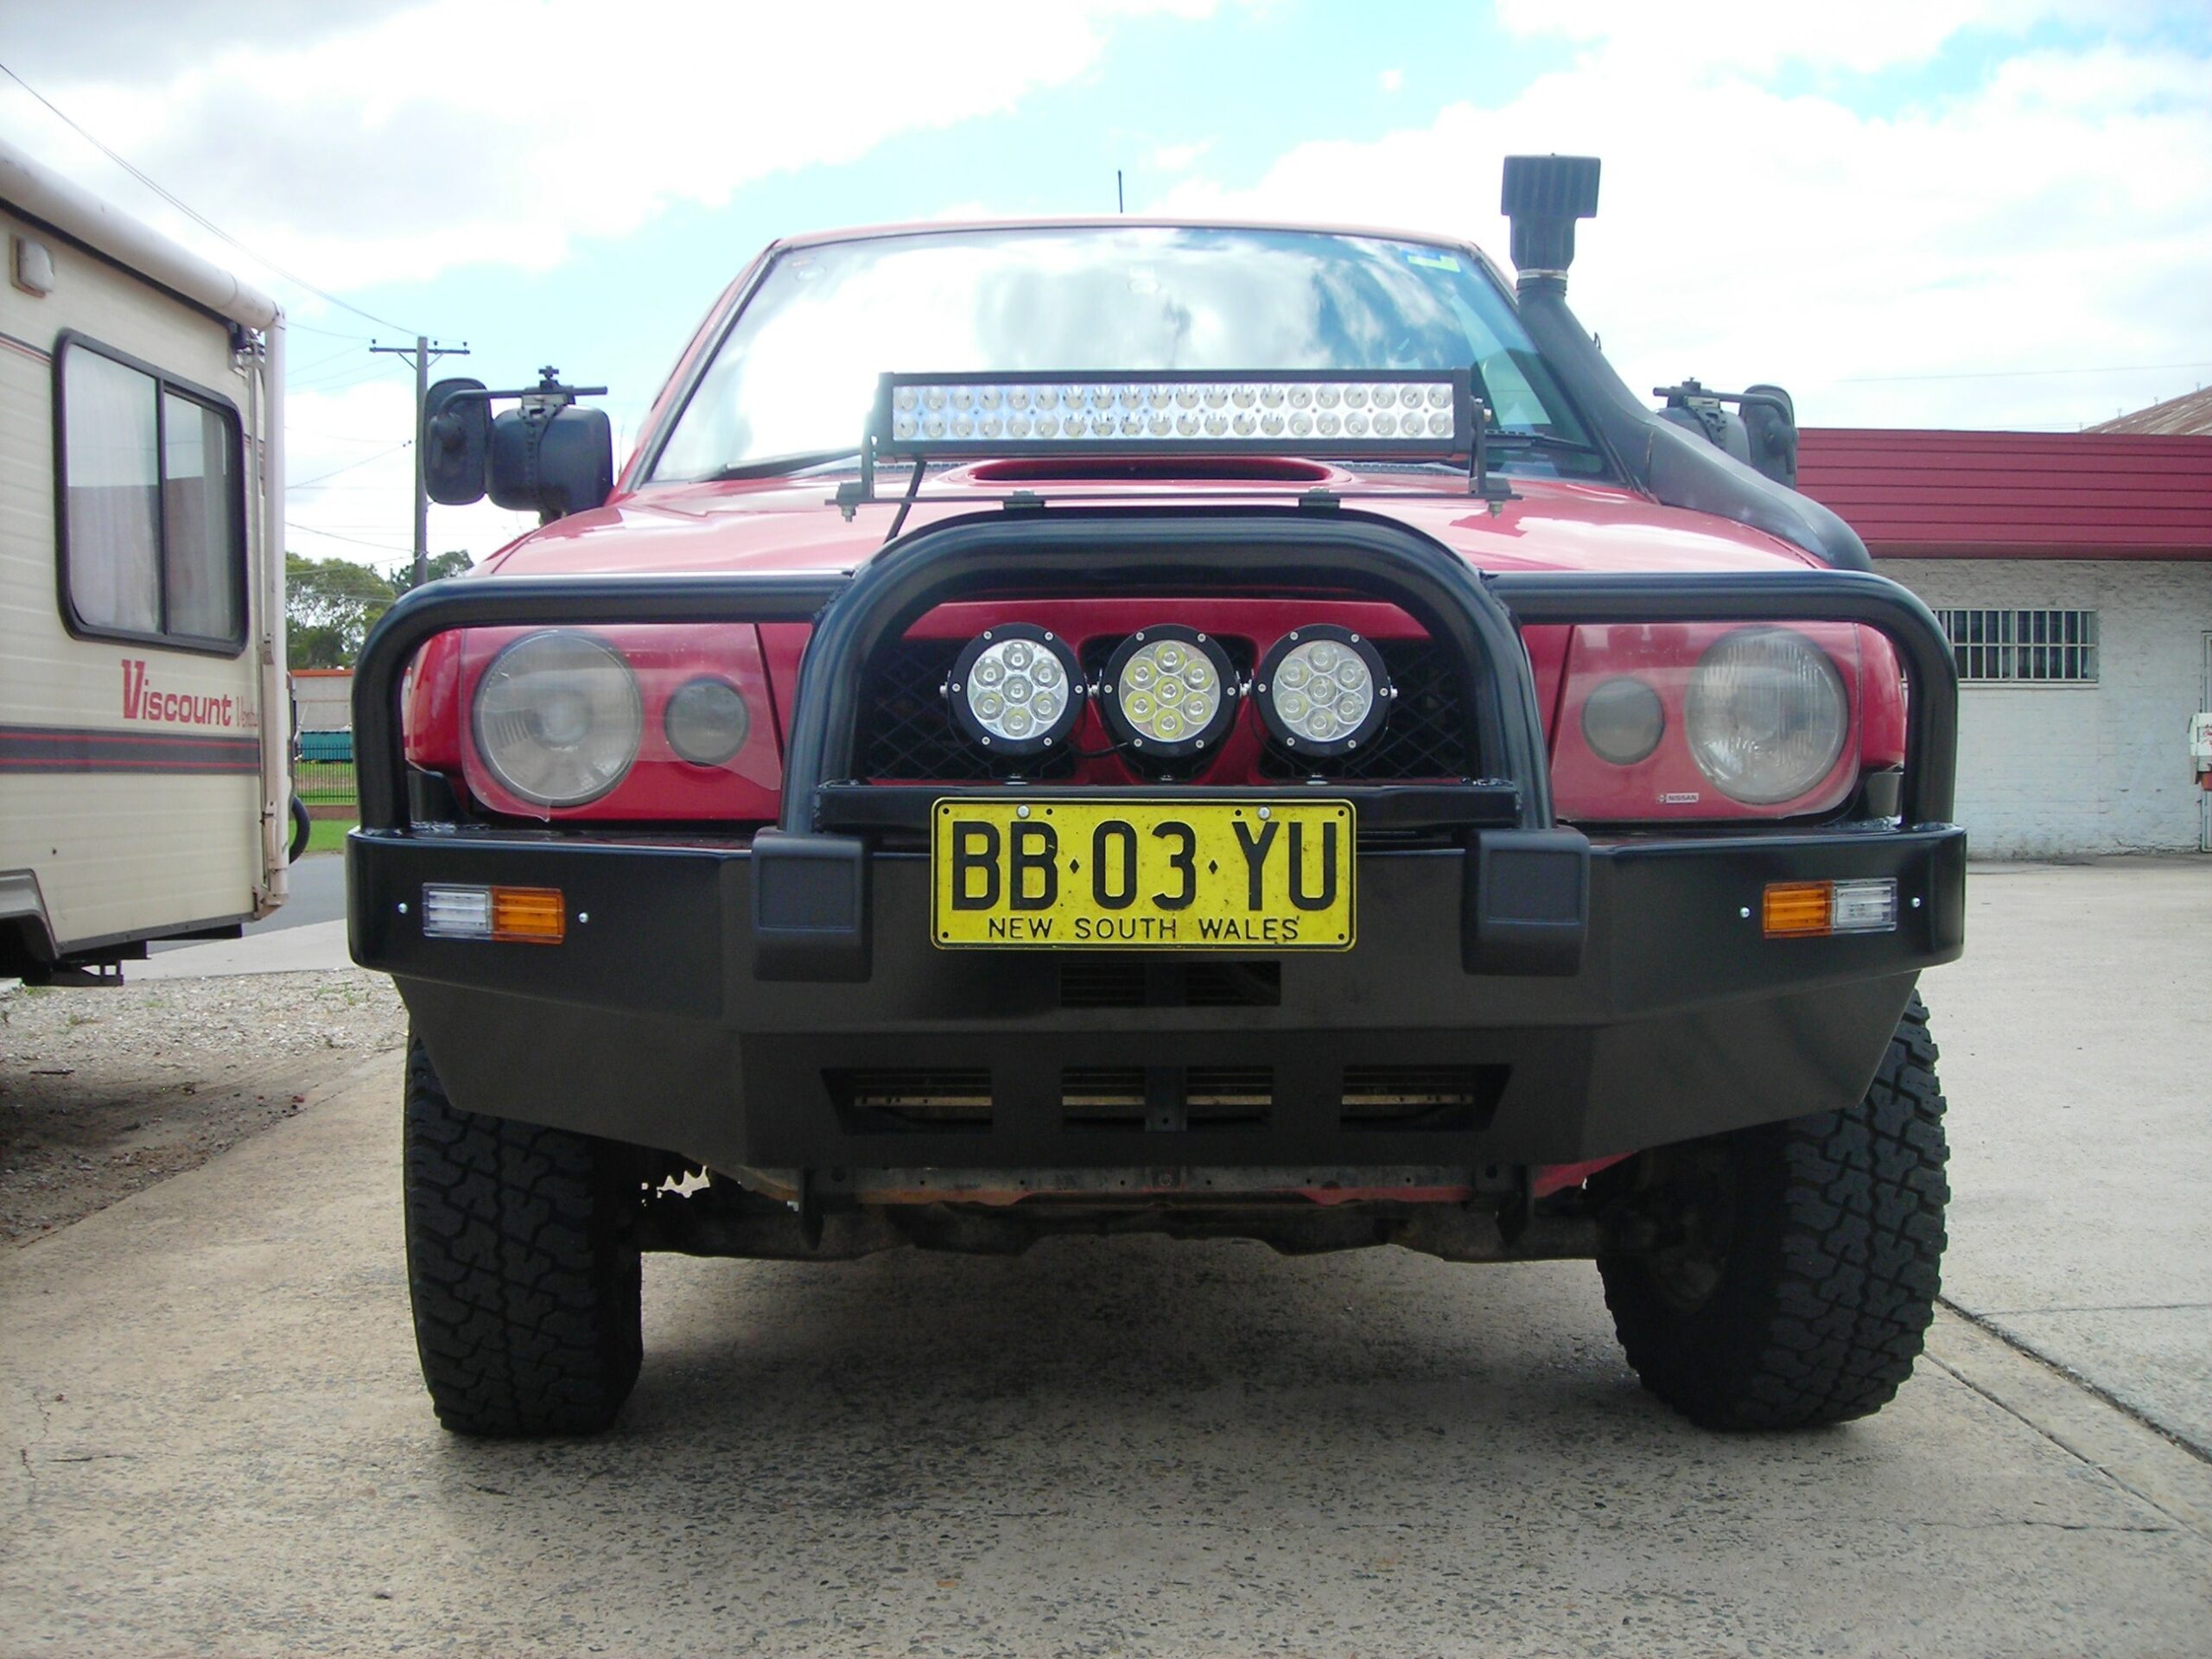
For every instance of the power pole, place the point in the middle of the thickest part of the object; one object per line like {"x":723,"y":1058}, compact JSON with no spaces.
{"x":421,"y":354}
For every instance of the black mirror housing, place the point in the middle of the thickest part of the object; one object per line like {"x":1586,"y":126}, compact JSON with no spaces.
{"x":1770,"y":432}
{"x":551,"y":464}
{"x":457,"y":442}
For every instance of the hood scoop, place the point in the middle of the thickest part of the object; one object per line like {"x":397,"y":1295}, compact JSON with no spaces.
{"x":1149,"y":469}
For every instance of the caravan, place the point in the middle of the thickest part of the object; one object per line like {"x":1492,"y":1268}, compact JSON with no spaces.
{"x":144,"y":787}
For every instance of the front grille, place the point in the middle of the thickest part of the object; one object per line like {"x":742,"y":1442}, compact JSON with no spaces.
{"x":1195,"y":1097}
{"x":906,"y":735}
{"x":906,"y":732}
{"x":1425,"y":736}
{"x":1422,"y":1097}
{"x":943,"y":1098}
{"x":954,"y":1100}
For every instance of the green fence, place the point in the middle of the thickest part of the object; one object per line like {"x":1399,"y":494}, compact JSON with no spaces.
{"x":324,"y":775}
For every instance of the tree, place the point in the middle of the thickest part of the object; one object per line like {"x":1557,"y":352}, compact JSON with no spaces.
{"x":437,"y":568}
{"x":330,"y":605}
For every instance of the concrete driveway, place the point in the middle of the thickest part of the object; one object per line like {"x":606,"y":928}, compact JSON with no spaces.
{"x":1138,"y":1446}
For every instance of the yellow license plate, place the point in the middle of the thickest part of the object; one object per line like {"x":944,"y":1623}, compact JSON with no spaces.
{"x":1143,"y":875}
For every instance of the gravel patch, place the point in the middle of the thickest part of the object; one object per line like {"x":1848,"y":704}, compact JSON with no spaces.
{"x":104,"y":1090}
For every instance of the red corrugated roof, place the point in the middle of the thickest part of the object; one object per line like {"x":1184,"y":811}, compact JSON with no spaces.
{"x":2014,"y":495}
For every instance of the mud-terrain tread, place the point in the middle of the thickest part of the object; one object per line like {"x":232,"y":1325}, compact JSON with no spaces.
{"x":524,"y":1275}
{"x":1832,"y":1284}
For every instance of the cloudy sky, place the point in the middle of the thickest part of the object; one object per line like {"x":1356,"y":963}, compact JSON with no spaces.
{"x":1940,"y":212}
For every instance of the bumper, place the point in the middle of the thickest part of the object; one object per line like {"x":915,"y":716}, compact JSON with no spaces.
{"x":776,"y":1003}
{"x":651,"y":1024}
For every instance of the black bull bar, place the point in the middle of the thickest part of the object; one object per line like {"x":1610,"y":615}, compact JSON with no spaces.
{"x":810,"y":876}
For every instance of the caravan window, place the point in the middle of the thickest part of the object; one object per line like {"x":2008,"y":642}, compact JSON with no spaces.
{"x":152,"y":533}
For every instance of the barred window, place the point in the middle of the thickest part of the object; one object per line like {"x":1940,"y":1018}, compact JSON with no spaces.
{"x":2024,"y":648}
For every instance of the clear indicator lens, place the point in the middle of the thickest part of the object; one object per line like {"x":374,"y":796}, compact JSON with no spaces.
{"x":558,"y":719}
{"x":450,"y":912}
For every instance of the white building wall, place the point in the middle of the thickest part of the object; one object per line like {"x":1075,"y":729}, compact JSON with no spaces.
{"x":326,"y":701}
{"x":2047,"y":770}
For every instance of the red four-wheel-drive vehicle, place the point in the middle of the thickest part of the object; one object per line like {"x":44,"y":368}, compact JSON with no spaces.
{"x":1127,"y":725}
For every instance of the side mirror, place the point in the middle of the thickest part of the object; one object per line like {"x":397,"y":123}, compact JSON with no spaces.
{"x":1770,"y":427}
{"x":456,"y":440}
{"x":551,"y":462}
{"x":1761,"y":431}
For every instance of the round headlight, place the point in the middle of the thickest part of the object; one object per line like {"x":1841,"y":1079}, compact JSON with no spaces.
{"x":1324,"y":690}
{"x":707,"y":722}
{"x":1170,"y":690}
{"x":558,"y":718}
{"x":1766,"y":714}
{"x":1016,"y":689}
{"x":1622,"y":720}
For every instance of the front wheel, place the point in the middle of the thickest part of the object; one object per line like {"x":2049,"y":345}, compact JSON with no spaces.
{"x":522,"y":1264}
{"x":1785,"y":1276}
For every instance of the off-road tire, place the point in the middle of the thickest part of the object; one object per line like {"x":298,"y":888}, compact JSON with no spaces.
{"x":1828,"y":1280}
{"x":523,"y":1265}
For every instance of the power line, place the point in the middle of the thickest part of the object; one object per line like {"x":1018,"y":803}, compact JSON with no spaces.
{"x":354,"y":374}
{"x":2016,"y":374}
{"x":310,"y":530}
{"x":194,"y":213}
{"x":303,"y":483}
{"x":320,"y":363}
{"x":333,"y":333}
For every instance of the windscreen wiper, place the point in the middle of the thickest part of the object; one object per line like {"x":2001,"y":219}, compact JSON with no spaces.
{"x":783,"y":466}
{"x":1549,"y":442}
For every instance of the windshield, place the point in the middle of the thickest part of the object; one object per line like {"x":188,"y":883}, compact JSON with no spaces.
{"x":795,"y":376}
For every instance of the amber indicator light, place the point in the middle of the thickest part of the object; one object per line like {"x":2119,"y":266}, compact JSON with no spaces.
{"x":529,"y":915}
{"x":1798,"y":909}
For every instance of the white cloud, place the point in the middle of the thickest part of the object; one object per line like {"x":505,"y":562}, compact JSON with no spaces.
{"x":2058,"y":216}
{"x":544,"y":120}
{"x":1179,"y":158}
{"x":1391,"y":81}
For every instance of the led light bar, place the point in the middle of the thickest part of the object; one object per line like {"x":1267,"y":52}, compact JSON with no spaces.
{"x":1322,"y":412}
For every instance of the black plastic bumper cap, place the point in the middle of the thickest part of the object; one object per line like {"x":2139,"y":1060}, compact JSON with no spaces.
{"x":809,"y":907}
{"x":1528,"y":902}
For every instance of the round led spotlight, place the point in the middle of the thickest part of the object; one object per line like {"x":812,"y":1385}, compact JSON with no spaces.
{"x":707,"y":721}
{"x":1623,"y":720}
{"x":1323,"y":690}
{"x":1170,"y":690}
{"x":1015,"y":688}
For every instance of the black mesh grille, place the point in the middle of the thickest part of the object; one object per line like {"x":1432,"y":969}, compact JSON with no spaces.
{"x":1424,"y":737}
{"x":906,"y":732}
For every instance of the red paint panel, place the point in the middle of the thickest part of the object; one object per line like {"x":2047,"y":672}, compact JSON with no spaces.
{"x":1668,"y":786}
{"x":660,"y":786}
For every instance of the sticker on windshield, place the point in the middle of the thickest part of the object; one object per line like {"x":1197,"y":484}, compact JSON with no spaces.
{"x":1433,"y":261}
